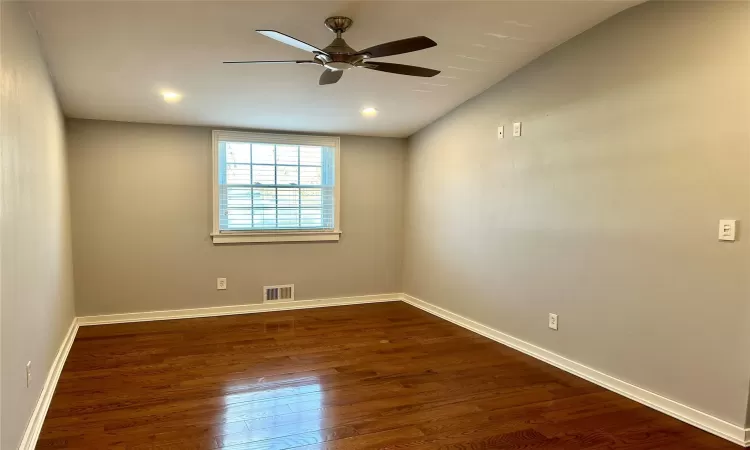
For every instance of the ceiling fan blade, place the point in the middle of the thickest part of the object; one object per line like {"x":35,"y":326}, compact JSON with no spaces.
{"x":288,"y":40}
{"x":272,"y":62}
{"x":399,"y":47}
{"x":330,"y":76}
{"x":401,"y":69}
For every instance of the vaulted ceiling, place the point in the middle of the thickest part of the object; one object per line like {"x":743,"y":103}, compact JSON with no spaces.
{"x":111,"y":59}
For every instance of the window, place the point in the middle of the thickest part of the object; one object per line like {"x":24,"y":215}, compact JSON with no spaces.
{"x":273,"y":187}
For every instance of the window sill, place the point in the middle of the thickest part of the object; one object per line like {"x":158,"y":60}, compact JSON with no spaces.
{"x":275,"y":236}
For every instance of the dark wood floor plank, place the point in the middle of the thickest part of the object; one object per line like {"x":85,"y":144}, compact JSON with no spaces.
{"x":370,"y":376}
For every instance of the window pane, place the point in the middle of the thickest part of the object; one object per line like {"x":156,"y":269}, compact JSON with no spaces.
{"x":238,"y":152}
{"x":309,"y":156}
{"x":287,"y":174}
{"x":238,"y":174}
{"x":264,"y":217}
{"x":264,"y":197}
{"x":288,"y":197}
{"x":263,"y":174}
{"x":238,"y":198}
{"x":310,"y":176}
{"x":311,"y":217}
{"x":288,"y":218}
{"x":263,"y":154}
{"x":311,"y":197}
{"x":286,"y":154}
{"x":239,"y":219}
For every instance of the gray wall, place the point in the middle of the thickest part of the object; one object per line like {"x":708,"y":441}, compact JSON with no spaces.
{"x":635,"y":143}
{"x":141,"y":203}
{"x":35,"y":263}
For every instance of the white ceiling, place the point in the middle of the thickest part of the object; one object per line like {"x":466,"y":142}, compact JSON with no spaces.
{"x":110,"y":59}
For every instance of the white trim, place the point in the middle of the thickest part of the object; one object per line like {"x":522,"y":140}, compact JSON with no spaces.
{"x":277,"y":138}
{"x":281,"y":236}
{"x":692,"y":416}
{"x":34,"y":426}
{"x":215,"y":181}
{"x":237,"y":309}
{"x":238,"y":237}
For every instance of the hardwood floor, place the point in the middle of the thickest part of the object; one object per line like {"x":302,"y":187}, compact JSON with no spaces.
{"x":378,"y":376}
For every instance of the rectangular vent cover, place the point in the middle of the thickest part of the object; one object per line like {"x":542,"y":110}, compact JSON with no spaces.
{"x":274,"y":293}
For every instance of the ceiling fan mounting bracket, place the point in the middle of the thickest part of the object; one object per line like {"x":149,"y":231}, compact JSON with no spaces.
{"x":338,"y":24}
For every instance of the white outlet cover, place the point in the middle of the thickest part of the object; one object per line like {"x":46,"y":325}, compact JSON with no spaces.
{"x":553,"y":321}
{"x":28,"y":374}
{"x":221,"y":284}
{"x":500,"y":132}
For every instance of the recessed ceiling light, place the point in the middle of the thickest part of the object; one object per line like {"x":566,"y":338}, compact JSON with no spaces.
{"x":171,"y":96}
{"x":369,"y":112}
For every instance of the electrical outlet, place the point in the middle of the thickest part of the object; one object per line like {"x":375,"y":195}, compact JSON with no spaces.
{"x":221,"y":284}
{"x":500,"y":132}
{"x":553,"y":321}
{"x":517,"y":129}
{"x":28,"y":374}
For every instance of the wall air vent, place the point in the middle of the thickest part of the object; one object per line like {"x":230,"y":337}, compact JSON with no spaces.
{"x":278,"y":293}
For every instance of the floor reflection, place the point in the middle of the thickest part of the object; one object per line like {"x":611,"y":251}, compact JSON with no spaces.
{"x":281,"y":409}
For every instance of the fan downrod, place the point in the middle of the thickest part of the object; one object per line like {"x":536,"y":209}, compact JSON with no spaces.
{"x":338,"y":24}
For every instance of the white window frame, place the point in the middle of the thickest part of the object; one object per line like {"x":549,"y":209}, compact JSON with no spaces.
{"x":261,"y":236}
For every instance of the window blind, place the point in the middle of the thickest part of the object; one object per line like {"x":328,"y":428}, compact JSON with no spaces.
{"x":271,"y":186}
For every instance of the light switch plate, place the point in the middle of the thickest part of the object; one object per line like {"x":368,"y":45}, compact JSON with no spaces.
{"x":500,"y":132}
{"x":727,"y":229}
{"x":516,"y":129}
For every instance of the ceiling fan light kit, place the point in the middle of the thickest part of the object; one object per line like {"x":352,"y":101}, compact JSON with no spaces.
{"x":338,"y":57}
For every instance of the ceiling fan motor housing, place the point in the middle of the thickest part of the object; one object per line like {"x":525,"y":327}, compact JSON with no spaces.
{"x":338,"y":55}
{"x":338,"y":61}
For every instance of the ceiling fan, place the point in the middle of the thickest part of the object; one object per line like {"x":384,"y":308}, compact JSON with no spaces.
{"x":339,"y":57}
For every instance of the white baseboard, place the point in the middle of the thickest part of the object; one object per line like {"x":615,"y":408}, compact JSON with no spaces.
{"x":34,"y":426}
{"x":236,"y":309}
{"x":714,"y":425}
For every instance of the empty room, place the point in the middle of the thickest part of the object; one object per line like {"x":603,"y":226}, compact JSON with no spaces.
{"x":267,"y":225}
